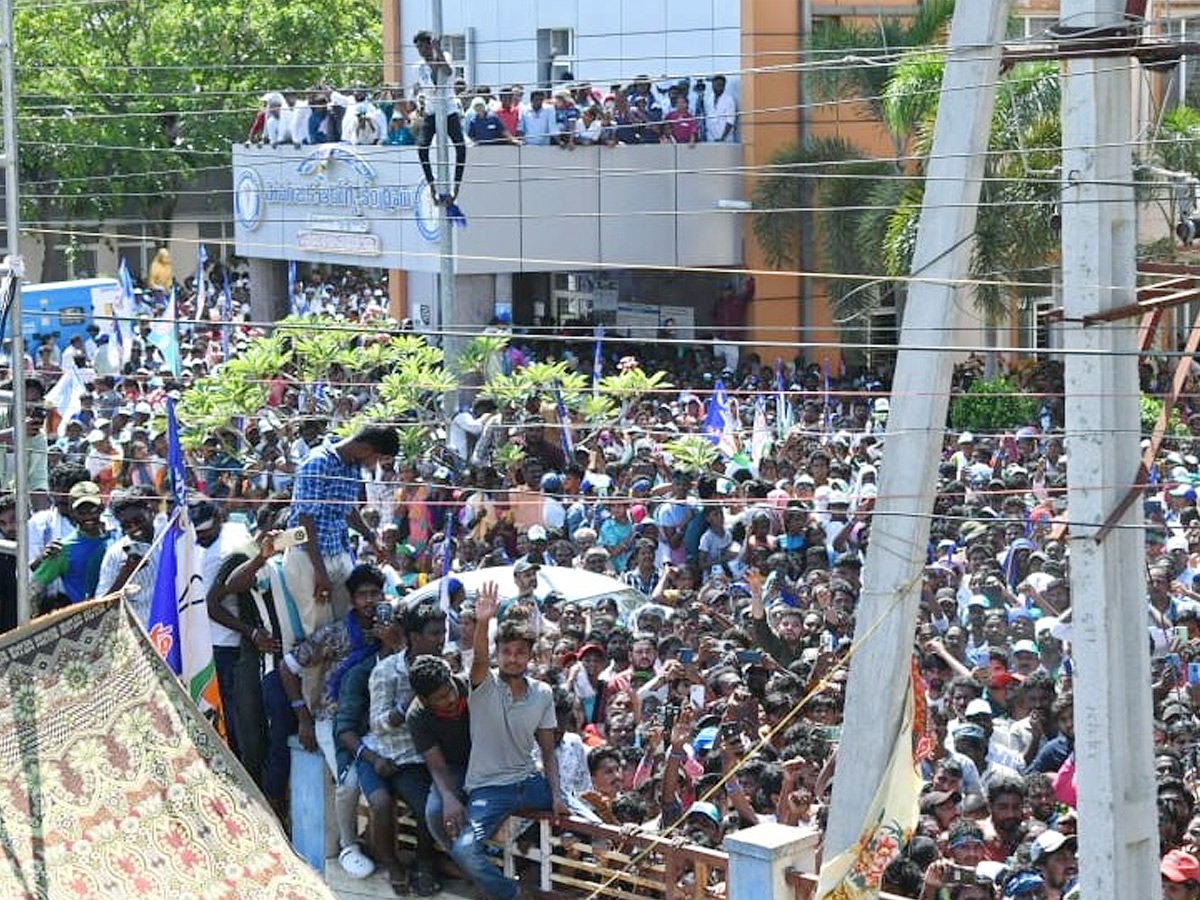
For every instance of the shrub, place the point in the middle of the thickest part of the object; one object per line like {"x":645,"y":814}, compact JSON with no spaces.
{"x":992,"y":404}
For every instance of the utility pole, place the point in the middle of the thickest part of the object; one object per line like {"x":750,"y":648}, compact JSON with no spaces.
{"x":1118,"y":834}
{"x":12,"y":207}
{"x":446,"y":287}
{"x":937,"y":309}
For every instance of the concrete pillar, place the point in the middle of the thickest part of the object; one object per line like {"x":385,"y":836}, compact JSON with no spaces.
{"x":760,"y":857}
{"x":887,"y":611}
{"x":268,"y":289}
{"x":1118,"y":837}
{"x":398,"y":293}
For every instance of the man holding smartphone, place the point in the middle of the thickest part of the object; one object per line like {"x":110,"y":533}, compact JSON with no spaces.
{"x":325,"y":501}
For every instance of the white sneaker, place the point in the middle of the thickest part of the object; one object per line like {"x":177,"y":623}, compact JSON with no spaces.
{"x":355,"y":863}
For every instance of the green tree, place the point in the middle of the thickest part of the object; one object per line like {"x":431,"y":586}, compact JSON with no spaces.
{"x":1013,"y":233}
{"x":122,"y":102}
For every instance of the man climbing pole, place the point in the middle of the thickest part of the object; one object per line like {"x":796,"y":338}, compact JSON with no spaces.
{"x":434,"y":73}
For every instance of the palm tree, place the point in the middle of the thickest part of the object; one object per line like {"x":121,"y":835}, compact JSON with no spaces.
{"x":861,"y":58}
{"x":827,"y":184}
{"x":1013,"y":233}
{"x":868,"y":212}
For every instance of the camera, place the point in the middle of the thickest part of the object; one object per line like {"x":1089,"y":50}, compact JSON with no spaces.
{"x":384,"y":614}
{"x":960,"y":875}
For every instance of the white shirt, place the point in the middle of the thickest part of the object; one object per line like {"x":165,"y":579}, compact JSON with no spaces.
{"x":144,"y":577}
{"x":722,"y":112}
{"x":208,"y":561}
{"x":587,"y":134}
{"x":433,"y":93}
{"x":44,"y":527}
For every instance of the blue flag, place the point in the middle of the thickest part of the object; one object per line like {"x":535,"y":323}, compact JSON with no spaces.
{"x":564,"y":423}
{"x":163,"y":624}
{"x":783,"y":409}
{"x":718,"y":422}
{"x":178,"y":623}
{"x":598,"y":361}
{"x":291,"y":278}
{"x":201,"y":284}
{"x":164,"y":335}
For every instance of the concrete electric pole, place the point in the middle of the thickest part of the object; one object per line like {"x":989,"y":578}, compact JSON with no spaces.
{"x":937,"y":308}
{"x":1118,"y":819}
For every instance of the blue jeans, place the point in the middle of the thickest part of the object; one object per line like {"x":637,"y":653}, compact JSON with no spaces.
{"x":487,"y":808}
{"x":433,"y":807}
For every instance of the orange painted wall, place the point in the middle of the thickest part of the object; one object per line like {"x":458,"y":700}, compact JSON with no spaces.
{"x":770,"y":120}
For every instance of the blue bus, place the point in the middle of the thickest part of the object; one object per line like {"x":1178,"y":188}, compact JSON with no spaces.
{"x":67,"y":307}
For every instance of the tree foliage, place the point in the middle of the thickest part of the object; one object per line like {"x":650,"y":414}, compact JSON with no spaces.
{"x":990,"y":405}
{"x":121,"y":102}
{"x":409,"y":377}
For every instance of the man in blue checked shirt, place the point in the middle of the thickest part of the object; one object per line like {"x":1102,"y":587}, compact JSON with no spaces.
{"x":325,"y":501}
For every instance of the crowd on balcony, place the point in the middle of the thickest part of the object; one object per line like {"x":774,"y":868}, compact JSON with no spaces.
{"x":684,"y":111}
{"x":710,"y":702}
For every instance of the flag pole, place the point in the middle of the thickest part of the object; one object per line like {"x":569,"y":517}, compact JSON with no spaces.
{"x":16,"y":270}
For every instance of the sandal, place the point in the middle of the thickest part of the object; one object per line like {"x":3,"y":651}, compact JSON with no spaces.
{"x":425,"y":884}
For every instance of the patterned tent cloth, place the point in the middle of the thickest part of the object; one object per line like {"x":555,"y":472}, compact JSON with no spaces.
{"x":112,"y":784}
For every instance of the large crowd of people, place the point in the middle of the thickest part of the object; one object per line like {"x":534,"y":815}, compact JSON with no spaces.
{"x":710,"y":704}
{"x":569,"y":114}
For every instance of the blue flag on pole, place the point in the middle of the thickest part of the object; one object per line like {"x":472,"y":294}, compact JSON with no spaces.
{"x":201,"y":283}
{"x":163,"y":625}
{"x":165,"y":336}
{"x":598,"y":361}
{"x":291,"y":278}
{"x":783,"y":409}
{"x":564,"y":422}
{"x":178,"y":623}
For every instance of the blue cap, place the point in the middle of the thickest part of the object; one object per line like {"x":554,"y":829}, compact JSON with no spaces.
{"x":704,"y":738}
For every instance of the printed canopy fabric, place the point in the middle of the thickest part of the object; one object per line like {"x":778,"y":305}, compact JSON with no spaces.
{"x":112,"y":785}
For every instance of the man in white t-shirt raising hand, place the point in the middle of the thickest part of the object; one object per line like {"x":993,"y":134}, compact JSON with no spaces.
{"x":434,"y":76}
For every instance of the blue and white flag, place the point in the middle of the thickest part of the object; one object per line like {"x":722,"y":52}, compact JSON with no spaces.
{"x":293,"y":304}
{"x":598,"y":361}
{"x":718,"y":422}
{"x":783,"y":409}
{"x":178,"y":622}
{"x":760,"y":435}
{"x":123,"y":312}
{"x":201,"y":282}
{"x":564,"y":424}
{"x":164,"y":335}
{"x":66,"y":395}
